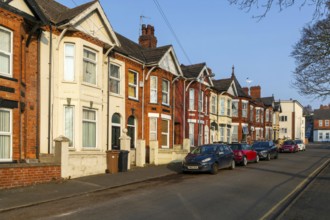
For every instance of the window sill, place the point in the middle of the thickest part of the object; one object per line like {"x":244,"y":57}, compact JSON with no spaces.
{"x":116,"y":95}
{"x":8,"y":77}
{"x":133,"y":99}
{"x":166,"y":105}
{"x":90,"y":85}
{"x":69,"y":82}
{"x":90,"y":149}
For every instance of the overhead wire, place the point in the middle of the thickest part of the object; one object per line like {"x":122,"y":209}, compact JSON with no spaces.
{"x":161,"y":11}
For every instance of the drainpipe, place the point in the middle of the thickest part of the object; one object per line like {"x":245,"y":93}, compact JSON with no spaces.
{"x":108,"y":96}
{"x":173,"y":107}
{"x":38,"y":98}
{"x":143,"y":73}
{"x":49,"y":85}
{"x":184,"y":109}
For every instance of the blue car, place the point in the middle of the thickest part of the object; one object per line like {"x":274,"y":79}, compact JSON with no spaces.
{"x":209,"y":158}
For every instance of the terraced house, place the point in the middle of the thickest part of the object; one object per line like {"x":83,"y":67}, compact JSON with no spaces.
{"x":74,"y":68}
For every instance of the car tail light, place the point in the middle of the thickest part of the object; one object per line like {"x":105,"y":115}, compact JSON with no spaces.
{"x":240,"y":153}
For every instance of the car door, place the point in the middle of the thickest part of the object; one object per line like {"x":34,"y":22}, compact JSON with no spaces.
{"x":222,"y":156}
{"x":247,"y":151}
{"x":228,"y":156}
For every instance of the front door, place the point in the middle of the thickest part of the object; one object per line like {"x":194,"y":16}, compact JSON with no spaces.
{"x":115,"y":143}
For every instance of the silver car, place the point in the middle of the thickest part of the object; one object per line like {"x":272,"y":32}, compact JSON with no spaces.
{"x":301,"y":145}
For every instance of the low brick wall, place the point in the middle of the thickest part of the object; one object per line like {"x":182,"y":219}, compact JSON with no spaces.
{"x":18,"y":175}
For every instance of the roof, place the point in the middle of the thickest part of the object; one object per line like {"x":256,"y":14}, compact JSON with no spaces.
{"x":277,"y":107}
{"x":134,"y":50}
{"x":58,"y":13}
{"x":240,"y":92}
{"x":268,"y":101}
{"x":322,"y":114}
{"x":192,"y":71}
{"x":222,"y":85}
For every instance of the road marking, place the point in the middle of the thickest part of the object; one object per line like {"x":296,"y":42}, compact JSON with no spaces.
{"x":294,"y":191}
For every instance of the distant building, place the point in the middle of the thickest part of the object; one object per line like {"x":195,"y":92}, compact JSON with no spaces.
{"x":292,"y":121}
{"x":322,"y":124}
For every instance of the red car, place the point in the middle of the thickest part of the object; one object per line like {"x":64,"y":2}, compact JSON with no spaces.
{"x":289,"y":146}
{"x":243,"y":153}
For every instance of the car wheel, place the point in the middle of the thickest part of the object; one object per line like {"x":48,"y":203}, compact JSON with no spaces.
{"x":268,"y":156}
{"x":232,"y":166}
{"x":245,"y":162}
{"x":214,"y":168}
{"x":257,"y":159}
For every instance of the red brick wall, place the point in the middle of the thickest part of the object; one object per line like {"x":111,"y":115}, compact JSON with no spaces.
{"x":28,"y":174}
{"x":25,"y":83}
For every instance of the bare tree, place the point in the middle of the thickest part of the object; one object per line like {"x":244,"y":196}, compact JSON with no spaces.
{"x":320,"y":5}
{"x":312,"y":56}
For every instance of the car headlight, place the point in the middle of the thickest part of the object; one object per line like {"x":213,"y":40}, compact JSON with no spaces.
{"x":264,"y":152}
{"x":206,"y":160}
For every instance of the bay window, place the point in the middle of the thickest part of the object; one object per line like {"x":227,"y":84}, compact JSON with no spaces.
{"x":69,"y":60}
{"x":89,"y":128}
{"x":89,"y":67}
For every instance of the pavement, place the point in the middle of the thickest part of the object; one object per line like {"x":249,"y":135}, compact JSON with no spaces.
{"x":11,"y":199}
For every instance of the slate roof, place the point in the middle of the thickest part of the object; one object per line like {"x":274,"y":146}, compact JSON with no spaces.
{"x":240,"y":92}
{"x":147,"y":55}
{"x":58,"y":13}
{"x":192,"y":71}
{"x":222,"y":85}
{"x":268,"y":101}
{"x":322,"y":114}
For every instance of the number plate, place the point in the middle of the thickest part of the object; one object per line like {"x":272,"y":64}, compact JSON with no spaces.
{"x":193,"y":167}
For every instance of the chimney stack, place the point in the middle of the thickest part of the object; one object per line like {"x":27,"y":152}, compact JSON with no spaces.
{"x":255,"y":92}
{"x":147,"y":38}
{"x":246,"y":90}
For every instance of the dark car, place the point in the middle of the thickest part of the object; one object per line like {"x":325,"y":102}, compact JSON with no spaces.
{"x":209,"y":158}
{"x":244,"y":153}
{"x":266,"y":149}
{"x":289,"y":146}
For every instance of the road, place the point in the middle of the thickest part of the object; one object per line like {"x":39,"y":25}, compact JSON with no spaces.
{"x":253,"y":192}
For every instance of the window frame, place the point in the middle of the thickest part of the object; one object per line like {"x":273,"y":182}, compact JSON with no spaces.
{"x":200,"y":101}
{"x":71,"y":145}
{"x":134,"y":86}
{"x":166,"y":93}
{"x":320,"y":123}
{"x":72,"y":74}
{"x":155,"y":131}
{"x":86,"y":59}
{"x":115,"y":79}
{"x":213,"y":104}
{"x":167,"y":134}
{"x":234,"y":103}
{"x":222,"y":106}
{"x":96,"y":130}
{"x":192,"y":134}
{"x":191,"y":99}
{"x":326,"y":123}
{"x":9,"y":54}
{"x":8,"y":133}
{"x":155,"y":90}
{"x":244,"y":110}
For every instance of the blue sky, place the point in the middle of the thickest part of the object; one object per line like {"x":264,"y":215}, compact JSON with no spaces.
{"x":222,"y":35}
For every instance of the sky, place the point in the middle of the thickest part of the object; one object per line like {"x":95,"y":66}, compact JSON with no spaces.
{"x":222,"y":36}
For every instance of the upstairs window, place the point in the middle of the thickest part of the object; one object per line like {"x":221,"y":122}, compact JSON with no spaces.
{"x":153,"y":89}
{"x":320,"y":123}
{"x":235,"y":108}
{"x":132,"y":85}
{"x":6,"y":53}
{"x":165,"y":92}
{"x":222,"y":106}
{"x":191,"y":99}
{"x":251,"y":113}
{"x":69,"y":57}
{"x":244,"y":109}
{"x":114,"y":79}
{"x":89,"y":68}
{"x":213,"y":104}
{"x":200,"y":101}
{"x":228,"y":107}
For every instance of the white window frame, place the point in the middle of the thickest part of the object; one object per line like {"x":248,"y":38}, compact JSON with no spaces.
{"x":244,"y":109}
{"x":166,"y":93}
{"x":191,"y":99}
{"x":9,"y":54}
{"x":251,"y":113}
{"x":258,"y":115}
{"x":222,"y":133}
{"x":154,"y":91}
{"x":229,"y":107}
{"x":326,"y":123}
{"x":69,"y":75}
{"x":167,"y":134}
{"x":206,"y":134}
{"x":192,"y":134}
{"x":85,"y":59}
{"x":234,"y":134}
{"x":222,"y":106}
{"x":96,"y":130}
{"x":200,"y":101}
{"x":234,"y":112}
{"x":134,"y":86}
{"x":71,"y":145}
{"x":320,"y":136}
{"x":153,"y":120}
{"x":213,"y":104}
{"x":320,"y":123}
{"x":267,"y":115}
{"x":117,"y":80}
{"x":8,"y":133}
{"x":206,"y":106}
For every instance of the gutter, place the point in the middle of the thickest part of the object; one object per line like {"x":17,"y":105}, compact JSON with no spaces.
{"x":108,"y":96}
{"x":50,"y":84}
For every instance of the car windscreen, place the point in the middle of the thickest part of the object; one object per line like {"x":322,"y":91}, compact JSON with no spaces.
{"x":288,"y":143}
{"x":204,"y":150}
{"x":236,"y":146}
{"x":260,"y":145}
